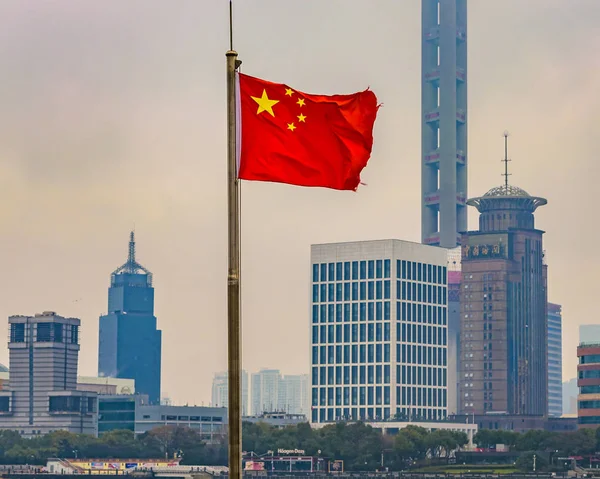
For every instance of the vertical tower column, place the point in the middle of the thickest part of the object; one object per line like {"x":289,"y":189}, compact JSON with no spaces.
{"x":444,"y":122}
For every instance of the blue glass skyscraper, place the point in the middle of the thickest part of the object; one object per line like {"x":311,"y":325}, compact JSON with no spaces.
{"x":129,"y":342}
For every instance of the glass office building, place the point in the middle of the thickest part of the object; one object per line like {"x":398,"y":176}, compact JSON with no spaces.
{"x":379,"y":333}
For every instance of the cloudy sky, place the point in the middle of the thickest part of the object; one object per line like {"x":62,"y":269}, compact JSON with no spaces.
{"x":113,"y":115}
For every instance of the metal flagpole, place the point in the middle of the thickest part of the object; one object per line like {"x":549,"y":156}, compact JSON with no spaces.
{"x":234,"y":356}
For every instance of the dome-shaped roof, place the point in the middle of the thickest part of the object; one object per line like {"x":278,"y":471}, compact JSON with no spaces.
{"x":3,"y":368}
{"x":507,"y":190}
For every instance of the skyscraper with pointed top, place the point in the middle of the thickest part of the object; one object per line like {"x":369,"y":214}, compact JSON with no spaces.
{"x":129,"y":341}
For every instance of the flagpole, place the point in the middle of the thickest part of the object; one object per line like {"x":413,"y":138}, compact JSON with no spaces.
{"x":234,"y":356}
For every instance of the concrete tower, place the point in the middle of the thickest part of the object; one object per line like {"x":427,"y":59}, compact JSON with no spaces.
{"x":444,"y":122}
{"x":43,"y":396}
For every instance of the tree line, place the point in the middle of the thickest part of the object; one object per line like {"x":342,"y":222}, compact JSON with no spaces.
{"x":359,"y":445}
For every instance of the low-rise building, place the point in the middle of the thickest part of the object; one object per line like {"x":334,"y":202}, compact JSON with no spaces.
{"x":277,"y":420}
{"x":588,"y":381}
{"x":135,"y":414}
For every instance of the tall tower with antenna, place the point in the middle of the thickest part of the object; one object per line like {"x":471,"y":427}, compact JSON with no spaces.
{"x":503,"y":311}
{"x":443,"y":122}
{"x":129,"y":341}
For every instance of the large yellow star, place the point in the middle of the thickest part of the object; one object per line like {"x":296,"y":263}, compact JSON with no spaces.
{"x":301,"y":117}
{"x":265,"y":103}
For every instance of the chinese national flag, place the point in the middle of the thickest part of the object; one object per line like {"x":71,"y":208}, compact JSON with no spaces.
{"x":307,"y":140}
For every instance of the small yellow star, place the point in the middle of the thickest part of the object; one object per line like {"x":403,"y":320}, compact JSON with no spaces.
{"x":289,"y":92}
{"x":301,"y":118}
{"x":300,"y":102}
{"x":291,"y":126}
{"x":265,"y":103}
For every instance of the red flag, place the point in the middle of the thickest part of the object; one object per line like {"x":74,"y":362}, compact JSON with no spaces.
{"x":288,"y":136}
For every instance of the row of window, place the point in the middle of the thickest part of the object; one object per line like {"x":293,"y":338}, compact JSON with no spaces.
{"x":355,"y":396}
{"x":589,"y":359}
{"x":589,"y":404}
{"x":421,"y":333}
{"x":589,"y":390}
{"x":421,"y":376}
{"x":379,"y":311}
{"x":372,"y":269}
{"x":416,"y":396}
{"x":425,"y":355}
{"x":422,"y":293}
{"x":46,"y":333}
{"x":355,"y":291}
{"x":590,"y":374}
{"x":330,"y":414}
{"x":350,"y":333}
{"x":421,"y":313}
{"x":346,"y":271}
{"x":372,"y":353}
{"x":347,"y":375}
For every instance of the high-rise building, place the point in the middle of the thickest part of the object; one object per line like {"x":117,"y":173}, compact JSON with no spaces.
{"x":555,"y":403}
{"x":220,"y":391}
{"x":42,"y":394}
{"x":378,"y":331}
{"x":503,"y":307}
{"x":265,"y":391}
{"x":129,"y":341}
{"x":293,"y":394}
{"x":454,"y":276}
{"x":588,"y":381}
{"x":443,"y":121}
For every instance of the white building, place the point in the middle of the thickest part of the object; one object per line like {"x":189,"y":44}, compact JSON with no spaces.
{"x":378,"y":331}
{"x":220,"y":391}
{"x":293,"y":394}
{"x":265,"y":391}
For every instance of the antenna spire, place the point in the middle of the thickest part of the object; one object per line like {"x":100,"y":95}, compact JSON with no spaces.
{"x":131,"y":263}
{"x":506,"y":174}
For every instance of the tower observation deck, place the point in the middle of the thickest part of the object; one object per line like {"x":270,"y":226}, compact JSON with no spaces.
{"x":444,"y":122}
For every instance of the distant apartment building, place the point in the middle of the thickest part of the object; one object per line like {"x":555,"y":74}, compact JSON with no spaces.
{"x":555,"y":402}
{"x":293,"y":394}
{"x":379,"y":331}
{"x":589,"y":333}
{"x":588,"y":381}
{"x":265,"y":391}
{"x":569,"y":392}
{"x":220,"y":391}
{"x":42,"y":395}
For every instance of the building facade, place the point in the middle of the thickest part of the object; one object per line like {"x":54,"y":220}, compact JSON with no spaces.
{"x":129,"y":341}
{"x":503,"y":308}
{"x":378,"y":331}
{"x":265,"y":391}
{"x":443,"y":121}
{"x":588,"y":382}
{"x":293,"y":394}
{"x":42,"y":395}
{"x":555,"y":401}
{"x":220,"y":391}
{"x":454,"y":278}
{"x":134,"y":413}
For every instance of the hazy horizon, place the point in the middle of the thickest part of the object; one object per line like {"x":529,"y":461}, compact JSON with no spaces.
{"x":114,"y":117}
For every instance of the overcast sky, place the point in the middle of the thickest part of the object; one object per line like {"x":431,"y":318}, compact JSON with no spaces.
{"x":112,"y":114}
